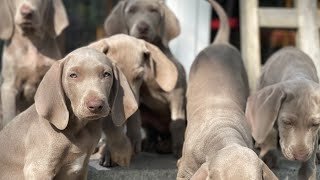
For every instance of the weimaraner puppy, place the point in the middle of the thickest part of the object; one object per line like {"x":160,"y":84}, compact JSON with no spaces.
{"x":287,"y":100}
{"x":218,"y":141}
{"x":137,"y":59}
{"x":154,"y":22}
{"x":30,"y":28}
{"x":54,"y":138}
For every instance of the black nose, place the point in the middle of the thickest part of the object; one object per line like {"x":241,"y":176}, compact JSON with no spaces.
{"x":143,"y":27}
{"x":95,"y":105}
{"x":26,"y":11}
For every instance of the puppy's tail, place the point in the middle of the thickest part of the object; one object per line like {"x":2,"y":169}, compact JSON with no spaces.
{"x":224,"y":28}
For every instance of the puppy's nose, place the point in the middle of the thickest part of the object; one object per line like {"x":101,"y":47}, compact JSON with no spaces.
{"x":300,"y":156}
{"x":26,"y":11}
{"x":143,"y":27}
{"x":95,"y":105}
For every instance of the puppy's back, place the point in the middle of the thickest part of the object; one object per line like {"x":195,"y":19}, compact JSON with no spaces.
{"x":286,"y":64}
{"x":218,"y":71}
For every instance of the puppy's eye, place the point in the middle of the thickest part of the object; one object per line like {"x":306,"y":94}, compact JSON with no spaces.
{"x":287,"y":122}
{"x":315,"y":124}
{"x":132,"y":9}
{"x":106,"y":74}
{"x":153,"y":10}
{"x":73,"y":75}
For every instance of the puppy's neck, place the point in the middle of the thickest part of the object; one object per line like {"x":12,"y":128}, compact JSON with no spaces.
{"x":44,"y":44}
{"x":75,"y":125}
{"x":158,"y":42}
{"x":36,"y":38}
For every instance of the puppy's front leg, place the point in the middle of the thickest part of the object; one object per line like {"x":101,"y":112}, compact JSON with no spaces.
{"x":8,"y":97}
{"x":118,"y":145}
{"x":39,"y":169}
{"x":178,"y":121}
{"x":133,"y":131}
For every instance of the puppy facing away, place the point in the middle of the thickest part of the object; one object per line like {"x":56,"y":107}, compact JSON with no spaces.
{"x":217,"y":140}
{"x":287,"y":100}
{"x":30,"y":28}
{"x":154,"y":22}
{"x":137,"y":59}
{"x":54,"y":138}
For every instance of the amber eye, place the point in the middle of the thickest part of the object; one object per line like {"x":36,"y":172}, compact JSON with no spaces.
{"x":287,"y":122}
{"x":315,"y":124}
{"x":132,"y":9}
{"x":153,"y":10}
{"x":106,"y":74}
{"x":73,"y":75}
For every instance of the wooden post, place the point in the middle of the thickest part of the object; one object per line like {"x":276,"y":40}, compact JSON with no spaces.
{"x":308,"y":31}
{"x":250,"y":40}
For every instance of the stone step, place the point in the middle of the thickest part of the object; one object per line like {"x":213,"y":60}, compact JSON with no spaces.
{"x":145,"y":166}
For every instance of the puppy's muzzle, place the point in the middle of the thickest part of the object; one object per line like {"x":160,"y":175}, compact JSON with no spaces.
{"x":95,"y":105}
{"x":26,"y":12}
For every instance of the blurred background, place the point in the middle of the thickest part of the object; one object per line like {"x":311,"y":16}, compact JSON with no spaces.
{"x":198,"y":26}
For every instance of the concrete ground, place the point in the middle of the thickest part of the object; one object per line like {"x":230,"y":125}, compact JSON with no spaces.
{"x":148,"y":166}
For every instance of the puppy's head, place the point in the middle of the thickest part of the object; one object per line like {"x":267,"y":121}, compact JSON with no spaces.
{"x":86,"y":84}
{"x":143,"y":19}
{"x":293,"y":107}
{"x":32,"y":17}
{"x":234,"y":162}
{"x":139,"y":61}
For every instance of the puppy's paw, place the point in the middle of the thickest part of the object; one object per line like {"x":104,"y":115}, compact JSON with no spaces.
{"x":177,"y":149}
{"x":136,"y":144}
{"x":105,"y":159}
{"x":136,"y":141}
{"x":177,"y":129}
{"x":121,"y":152}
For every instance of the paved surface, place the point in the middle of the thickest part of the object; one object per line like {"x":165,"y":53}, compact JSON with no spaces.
{"x":163,"y":167}
{"x":146,"y":166}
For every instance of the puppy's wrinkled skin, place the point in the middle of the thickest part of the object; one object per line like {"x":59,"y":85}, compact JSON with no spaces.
{"x":137,"y":59}
{"x":288,"y":99}
{"x":30,"y":29}
{"x":154,"y":22}
{"x":54,"y":138}
{"x":217,"y":140}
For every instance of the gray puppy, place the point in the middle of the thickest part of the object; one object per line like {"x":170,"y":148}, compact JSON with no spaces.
{"x":30,"y":28}
{"x":154,"y":22}
{"x":288,"y":100}
{"x":217,"y":140}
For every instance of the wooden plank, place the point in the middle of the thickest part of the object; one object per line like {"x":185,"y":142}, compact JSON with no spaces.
{"x":308,"y":32}
{"x":250,"y":45}
{"x":280,"y":17}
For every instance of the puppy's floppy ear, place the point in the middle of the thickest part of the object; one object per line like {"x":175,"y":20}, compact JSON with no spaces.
{"x":6,"y":23}
{"x":57,"y":18}
{"x":100,"y":45}
{"x":162,"y":68}
{"x":49,"y":99}
{"x":262,"y":110}
{"x":122,"y":98}
{"x":170,"y":24}
{"x":202,"y":173}
{"x":115,"y":23}
{"x":267,"y":174}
